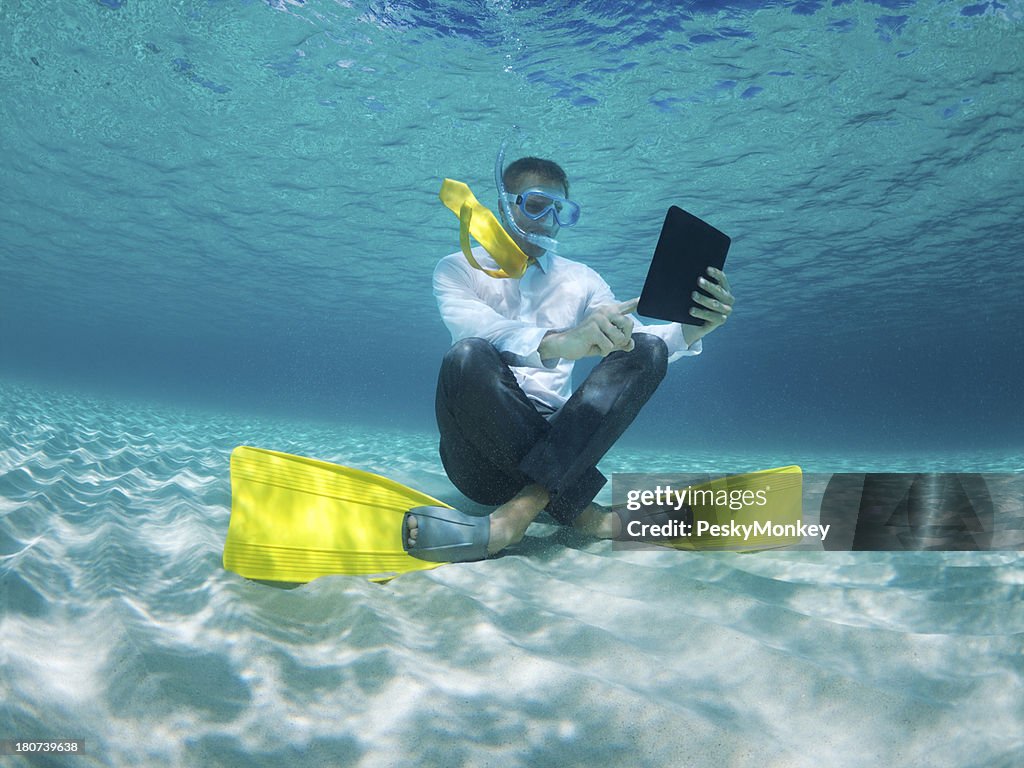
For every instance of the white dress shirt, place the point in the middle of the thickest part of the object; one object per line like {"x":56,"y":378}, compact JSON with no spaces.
{"x":555,"y":294}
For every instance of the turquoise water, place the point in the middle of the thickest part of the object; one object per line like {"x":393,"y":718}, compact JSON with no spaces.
{"x":218,"y":222}
{"x":235,"y":202}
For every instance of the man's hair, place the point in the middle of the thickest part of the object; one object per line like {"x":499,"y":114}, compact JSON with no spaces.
{"x":526,"y":166}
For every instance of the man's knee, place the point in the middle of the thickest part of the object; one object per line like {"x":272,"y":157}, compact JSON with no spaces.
{"x":651,"y":352}
{"x":465,"y":353}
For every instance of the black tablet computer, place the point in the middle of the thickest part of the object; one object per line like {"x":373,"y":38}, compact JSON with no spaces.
{"x":686,"y":248}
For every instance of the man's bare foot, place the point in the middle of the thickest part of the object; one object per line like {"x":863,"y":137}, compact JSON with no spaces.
{"x":605,"y":523}
{"x":599,"y":522}
{"x":508,"y":522}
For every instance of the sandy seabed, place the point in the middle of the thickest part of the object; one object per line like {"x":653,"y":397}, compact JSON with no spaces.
{"x":119,"y":626}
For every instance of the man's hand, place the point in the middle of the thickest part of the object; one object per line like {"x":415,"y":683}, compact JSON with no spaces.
{"x":603,"y":331}
{"x":714,"y":310}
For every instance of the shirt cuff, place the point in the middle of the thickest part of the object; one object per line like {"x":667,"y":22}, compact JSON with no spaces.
{"x":520,"y":349}
{"x":683,"y":351}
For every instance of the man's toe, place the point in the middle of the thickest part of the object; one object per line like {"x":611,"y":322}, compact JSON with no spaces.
{"x":410,"y":531}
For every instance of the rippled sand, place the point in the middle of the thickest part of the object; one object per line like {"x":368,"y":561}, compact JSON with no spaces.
{"x":120,"y":627}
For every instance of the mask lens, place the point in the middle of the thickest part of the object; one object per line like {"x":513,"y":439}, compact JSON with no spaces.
{"x":568,"y":213}
{"x":535,"y":204}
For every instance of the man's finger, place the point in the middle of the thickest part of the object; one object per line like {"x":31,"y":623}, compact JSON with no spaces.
{"x":612,"y":329}
{"x":605,"y":345}
{"x":718,"y":306}
{"x":714,"y":318}
{"x":714,"y":289}
{"x":719,"y":275}
{"x":596,"y":351}
{"x":627,"y":307}
{"x":624,"y":323}
{"x":598,"y":338}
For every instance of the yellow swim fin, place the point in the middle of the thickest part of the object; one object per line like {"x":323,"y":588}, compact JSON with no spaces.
{"x":724,"y":508}
{"x":294,"y":519}
{"x":478,"y":221}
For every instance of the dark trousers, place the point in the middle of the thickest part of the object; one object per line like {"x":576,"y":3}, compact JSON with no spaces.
{"x":494,"y":442}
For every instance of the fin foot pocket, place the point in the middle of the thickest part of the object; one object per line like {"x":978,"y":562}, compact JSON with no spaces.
{"x":446,"y":535}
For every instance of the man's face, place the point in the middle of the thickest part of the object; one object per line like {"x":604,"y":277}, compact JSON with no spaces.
{"x":546,"y":225}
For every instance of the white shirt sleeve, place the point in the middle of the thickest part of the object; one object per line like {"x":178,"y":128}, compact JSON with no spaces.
{"x":670,"y":333}
{"x":468,"y":315}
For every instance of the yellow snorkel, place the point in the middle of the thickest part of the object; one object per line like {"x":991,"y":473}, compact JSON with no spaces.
{"x":478,"y":221}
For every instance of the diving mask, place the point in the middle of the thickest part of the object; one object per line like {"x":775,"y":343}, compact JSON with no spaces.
{"x":535,"y":204}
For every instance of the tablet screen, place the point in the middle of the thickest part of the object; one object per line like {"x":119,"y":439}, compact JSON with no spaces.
{"x":686,"y":248}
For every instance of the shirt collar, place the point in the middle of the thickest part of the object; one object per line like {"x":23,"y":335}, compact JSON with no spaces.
{"x":544,"y":262}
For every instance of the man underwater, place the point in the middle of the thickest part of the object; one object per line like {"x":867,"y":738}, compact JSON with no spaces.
{"x":513,"y":434}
